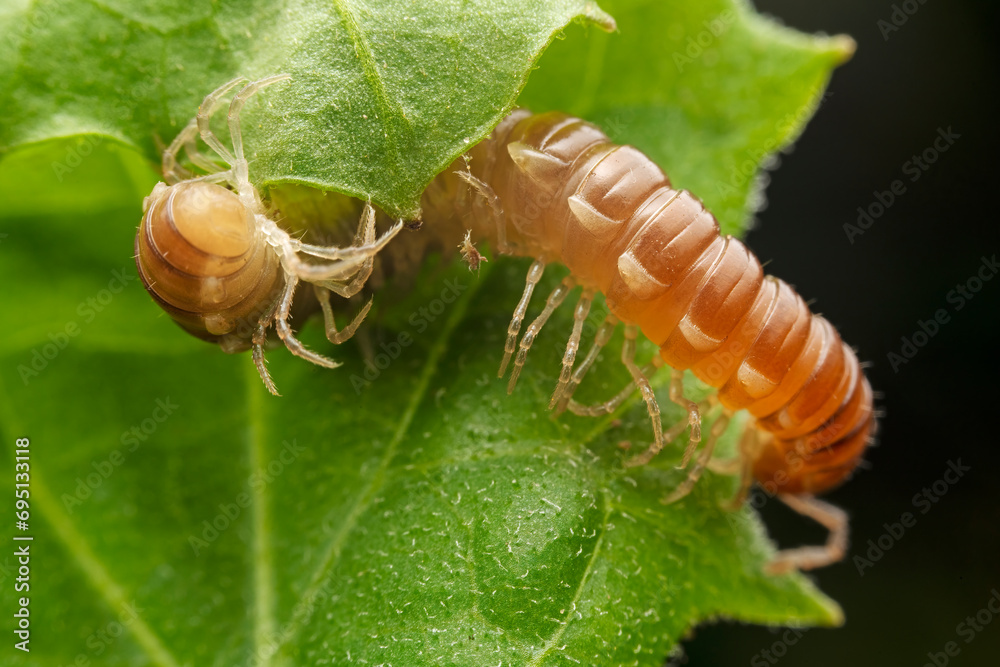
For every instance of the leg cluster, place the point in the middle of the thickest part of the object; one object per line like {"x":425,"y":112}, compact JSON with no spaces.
{"x":569,"y":379}
{"x":802,"y":558}
{"x":343,"y":271}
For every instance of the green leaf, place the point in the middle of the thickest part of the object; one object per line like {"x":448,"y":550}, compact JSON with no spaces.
{"x":400,"y":510}
{"x":427,"y":517}
{"x":384,"y":95}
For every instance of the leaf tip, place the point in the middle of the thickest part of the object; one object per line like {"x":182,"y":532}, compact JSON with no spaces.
{"x":829,"y":614}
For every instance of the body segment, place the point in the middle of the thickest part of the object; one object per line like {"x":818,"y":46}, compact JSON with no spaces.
{"x":608,"y":213}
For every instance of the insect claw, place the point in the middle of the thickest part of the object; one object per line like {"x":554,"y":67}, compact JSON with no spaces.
{"x":503,"y":364}
{"x":261,"y":363}
{"x":522,"y":355}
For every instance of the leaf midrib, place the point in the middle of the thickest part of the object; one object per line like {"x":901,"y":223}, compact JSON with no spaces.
{"x":305,"y":608}
{"x":261,"y":552}
{"x":113,"y":594}
{"x":584,"y":578}
{"x":387,"y":109}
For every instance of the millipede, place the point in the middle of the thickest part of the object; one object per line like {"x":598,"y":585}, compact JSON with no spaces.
{"x":557,"y":190}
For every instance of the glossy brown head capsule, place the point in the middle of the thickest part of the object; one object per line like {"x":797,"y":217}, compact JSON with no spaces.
{"x":211,"y":257}
{"x":201,"y":258}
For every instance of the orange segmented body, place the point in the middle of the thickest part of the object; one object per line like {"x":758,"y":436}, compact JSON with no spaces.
{"x":556,"y":189}
{"x":561,"y":191}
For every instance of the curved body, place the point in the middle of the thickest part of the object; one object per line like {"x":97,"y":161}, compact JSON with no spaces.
{"x":211,"y":257}
{"x":607,"y":212}
{"x":210,"y":278}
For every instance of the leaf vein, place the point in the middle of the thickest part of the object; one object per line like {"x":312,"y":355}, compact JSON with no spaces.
{"x":387,"y":108}
{"x":261,"y":552}
{"x":76,"y":545}
{"x":306,"y":606}
{"x":584,"y":578}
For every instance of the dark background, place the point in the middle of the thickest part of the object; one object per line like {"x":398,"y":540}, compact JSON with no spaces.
{"x":939,"y":70}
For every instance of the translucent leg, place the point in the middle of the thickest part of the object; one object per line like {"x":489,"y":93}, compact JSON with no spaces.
{"x":346,"y":261}
{"x":357,"y":253}
{"x":514,"y":328}
{"x":285,"y":332}
{"x":718,"y":428}
{"x":808,"y":558}
{"x":628,"y":358}
{"x":259,"y":338}
{"x":555,"y":299}
{"x":676,"y":396}
{"x":334,"y":336}
{"x":364,"y":235}
{"x":198,"y":158}
{"x":261,"y":363}
{"x":727,"y":467}
{"x":503,"y":246}
{"x":218,"y":177}
{"x":187,"y":138}
{"x":694,"y":415}
{"x":208,"y":107}
{"x":173,"y":172}
{"x":236,"y":106}
{"x":614,"y":403}
{"x":604,"y":333}
{"x":572,"y":345}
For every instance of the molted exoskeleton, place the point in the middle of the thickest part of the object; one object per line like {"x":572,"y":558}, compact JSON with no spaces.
{"x":202,"y":259}
{"x":210,"y":255}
